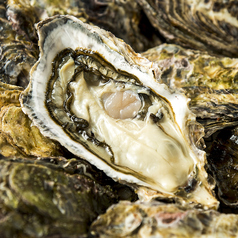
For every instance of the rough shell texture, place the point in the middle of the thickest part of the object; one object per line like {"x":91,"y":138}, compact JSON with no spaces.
{"x":18,"y":53}
{"x":9,"y":94}
{"x":125,"y":19}
{"x":83,"y":53}
{"x":22,"y":16}
{"x":210,"y":82}
{"x":162,"y":220}
{"x":61,"y":201}
{"x":23,"y":138}
{"x":203,"y":25}
{"x":17,"y":135}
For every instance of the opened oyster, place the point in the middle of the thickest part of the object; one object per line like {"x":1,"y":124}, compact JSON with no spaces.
{"x":102,"y":102}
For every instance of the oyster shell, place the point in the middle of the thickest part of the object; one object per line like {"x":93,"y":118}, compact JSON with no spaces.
{"x":18,"y":53}
{"x":162,"y":220}
{"x":20,"y":138}
{"x":9,"y":95}
{"x":23,"y":15}
{"x":17,"y":135}
{"x":125,"y":19}
{"x":208,"y":25}
{"x":210,"y":82}
{"x":41,"y":198}
{"x":223,"y":162}
{"x":144,"y":139}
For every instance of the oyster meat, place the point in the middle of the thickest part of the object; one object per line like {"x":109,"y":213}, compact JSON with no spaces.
{"x":92,"y":93}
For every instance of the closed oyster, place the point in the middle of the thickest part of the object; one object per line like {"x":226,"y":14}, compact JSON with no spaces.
{"x":18,"y":53}
{"x":162,"y":220}
{"x":20,"y":138}
{"x":208,"y":25}
{"x":100,"y":100}
{"x":125,"y":19}
{"x":223,"y":162}
{"x":209,"y":81}
{"x":17,"y":135}
{"x":45,"y":198}
{"x":23,"y":15}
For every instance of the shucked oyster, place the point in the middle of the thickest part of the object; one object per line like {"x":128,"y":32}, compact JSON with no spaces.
{"x":101,"y":101}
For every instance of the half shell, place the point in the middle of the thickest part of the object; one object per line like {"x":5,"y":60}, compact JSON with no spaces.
{"x":99,"y":99}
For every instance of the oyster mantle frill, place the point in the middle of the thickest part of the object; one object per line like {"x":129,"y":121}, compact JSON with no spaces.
{"x":92,"y":93}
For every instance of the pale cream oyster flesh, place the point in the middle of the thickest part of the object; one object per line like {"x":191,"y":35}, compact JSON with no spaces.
{"x":92,"y":93}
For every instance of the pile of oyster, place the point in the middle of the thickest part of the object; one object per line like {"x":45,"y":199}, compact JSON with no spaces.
{"x":97,"y":140}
